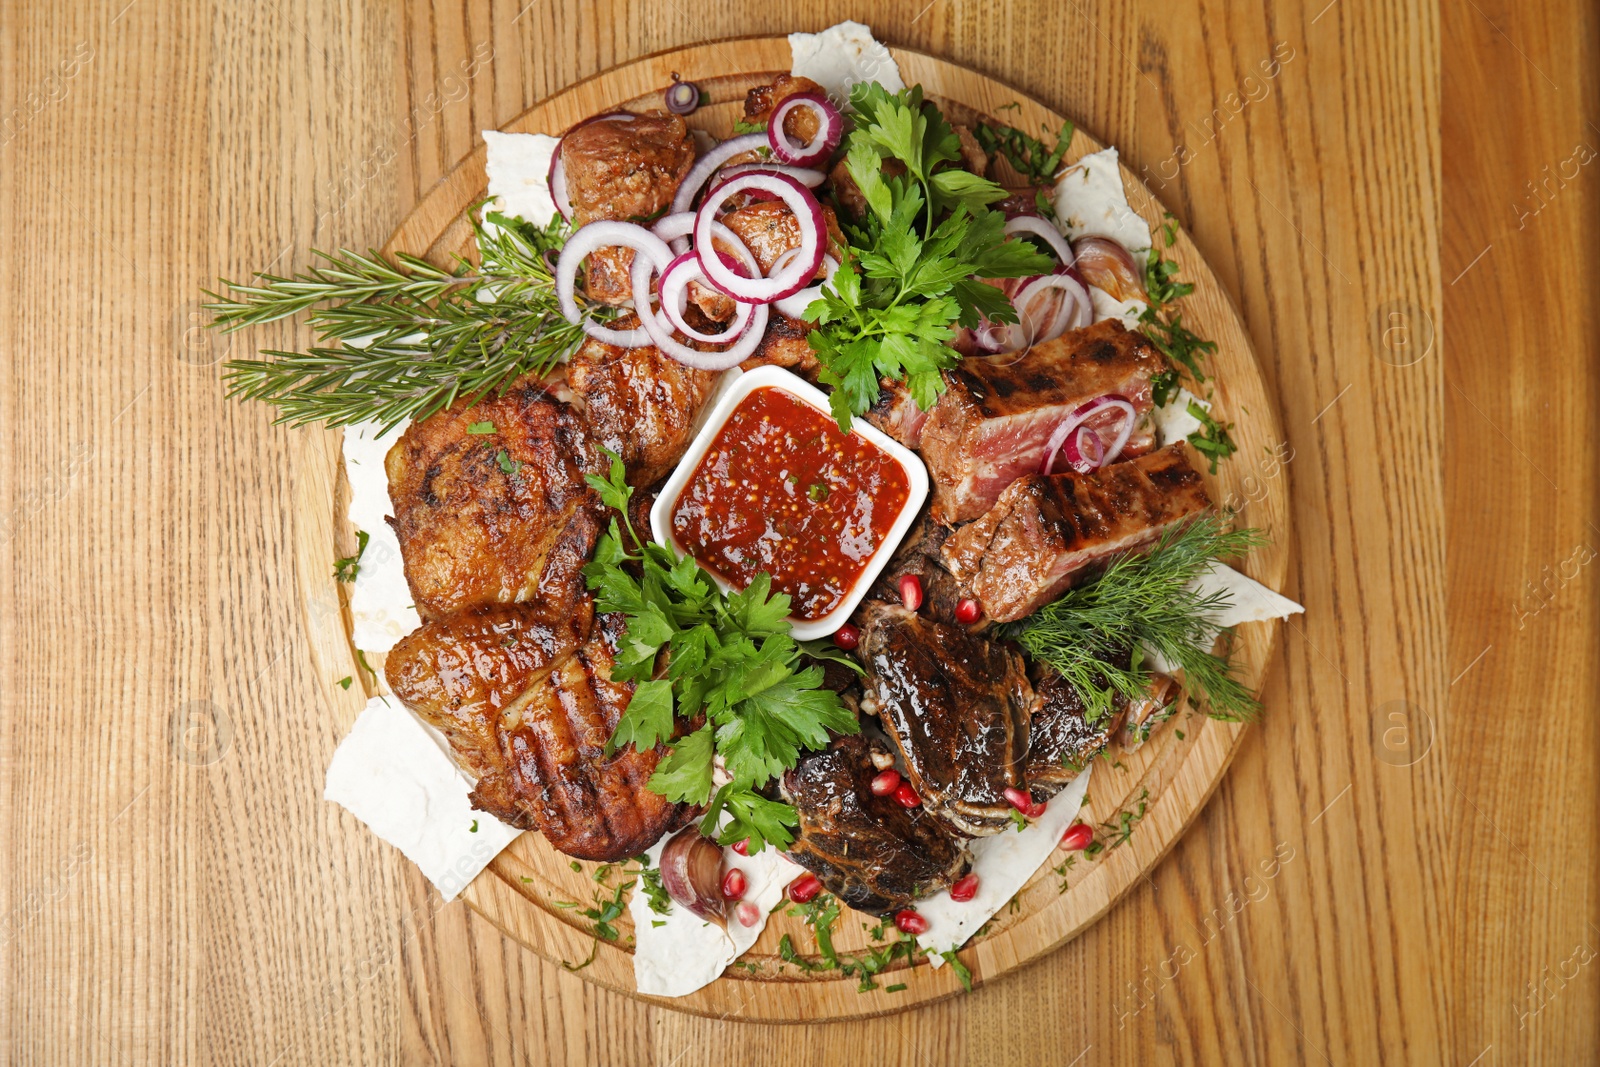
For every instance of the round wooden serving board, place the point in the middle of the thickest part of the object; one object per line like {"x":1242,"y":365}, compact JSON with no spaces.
{"x":519,"y":890}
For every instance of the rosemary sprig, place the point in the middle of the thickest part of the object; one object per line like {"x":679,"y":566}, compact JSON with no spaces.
{"x":1145,"y":601}
{"x":409,"y":338}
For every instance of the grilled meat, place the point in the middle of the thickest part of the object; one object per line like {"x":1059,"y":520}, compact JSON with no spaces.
{"x":639,"y":404}
{"x":1046,"y":531}
{"x":499,"y":517}
{"x":1148,"y":710}
{"x":869,"y":851}
{"x":992,"y":423}
{"x":896,"y":413}
{"x":956,"y":706}
{"x":918,"y":555}
{"x":785,"y":345}
{"x":1061,"y":739}
{"x":769,"y":229}
{"x":527,"y":704}
{"x":800,"y":124}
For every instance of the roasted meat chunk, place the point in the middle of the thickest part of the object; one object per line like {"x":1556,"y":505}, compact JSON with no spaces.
{"x":639,"y":404}
{"x":1061,"y":739}
{"x":625,"y":166}
{"x":769,"y":229}
{"x":1046,"y":531}
{"x":500,"y":516}
{"x":992,"y":423}
{"x":528,"y":704}
{"x":785,"y":345}
{"x":957,"y":708}
{"x":897,"y":414}
{"x":869,"y":851}
{"x":918,"y":554}
{"x":801,"y":123}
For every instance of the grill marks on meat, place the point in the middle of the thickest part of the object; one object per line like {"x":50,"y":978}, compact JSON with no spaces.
{"x":956,"y":706}
{"x":994,"y":419}
{"x":527,"y":703}
{"x":639,"y":403}
{"x":1046,"y":531}
{"x":870,"y":852}
{"x":473,"y":533}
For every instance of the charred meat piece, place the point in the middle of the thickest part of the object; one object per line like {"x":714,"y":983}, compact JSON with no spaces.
{"x":896,"y":413}
{"x":638,"y":403}
{"x":1061,"y":739}
{"x":956,"y":706}
{"x":1046,"y":531}
{"x":494,"y":518}
{"x":625,"y":167}
{"x":1148,"y":710}
{"x":918,"y":555}
{"x":869,"y":851}
{"x":528,"y":708}
{"x":992,"y":423}
{"x":785,"y":345}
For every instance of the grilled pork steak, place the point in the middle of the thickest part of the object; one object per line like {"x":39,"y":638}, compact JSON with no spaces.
{"x":493,"y":518}
{"x":992,"y":423}
{"x":869,"y":851}
{"x":527,"y":703}
{"x":1047,"y":530}
{"x":957,"y":708}
{"x":638,"y":403}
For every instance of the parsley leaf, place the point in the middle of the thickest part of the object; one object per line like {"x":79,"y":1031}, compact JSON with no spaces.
{"x":1212,"y":440}
{"x":346,"y":569}
{"x":480,"y":427}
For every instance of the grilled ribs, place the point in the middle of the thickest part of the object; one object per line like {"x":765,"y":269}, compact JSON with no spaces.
{"x":1046,"y":531}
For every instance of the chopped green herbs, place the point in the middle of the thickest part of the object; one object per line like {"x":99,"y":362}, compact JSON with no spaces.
{"x":344,"y":683}
{"x":1213,"y":440}
{"x":1138,"y":602}
{"x":821,"y":914}
{"x":346,"y":569}
{"x":481,"y":427}
{"x":473,"y":828}
{"x":655,"y":892}
{"x":1027,"y":154}
{"x":507,"y":464}
{"x":950,"y":957}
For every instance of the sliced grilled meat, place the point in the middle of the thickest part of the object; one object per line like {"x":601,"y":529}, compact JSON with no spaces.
{"x":896,"y":413}
{"x":918,"y":555}
{"x":638,"y":403}
{"x":869,"y":851}
{"x":528,"y":704}
{"x":1046,"y":531}
{"x":494,"y":518}
{"x":992,"y":423}
{"x":957,"y":708}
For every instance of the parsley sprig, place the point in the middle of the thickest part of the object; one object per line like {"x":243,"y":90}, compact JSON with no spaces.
{"x":725,"y":664}
{"x":914,"y":261}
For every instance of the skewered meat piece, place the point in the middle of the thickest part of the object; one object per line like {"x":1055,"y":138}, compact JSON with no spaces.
{"x":871,"y":852}
{"x":801,"y":123}
{"x":992,"y":423}
{"x":527,"y":703}
{"x":638,"y":403}
{"x":496,"y":517}
{"x":957,"y":708}
{"x":1047,"y":531}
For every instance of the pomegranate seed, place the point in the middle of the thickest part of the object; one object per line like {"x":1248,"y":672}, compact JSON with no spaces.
{"x":964,"y":889}
{"x":748,"y":913}
{"x":733,"y":884}
{"x":968,"y":612}
{"x":847,"y":637}
{"x":1034,"y":810}
{"x":804,"y":888}
{"x":1077,"y":837}
{"x":1019,"y":799}
{"x":885,"y":783}
{"x":910,"y":922}
{"x":911,"y":591}
{"x":905,"y":796}
{"x":742,"y":847}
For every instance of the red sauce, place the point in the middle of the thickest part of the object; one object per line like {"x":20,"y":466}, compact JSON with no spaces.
{"x":781,"y":490}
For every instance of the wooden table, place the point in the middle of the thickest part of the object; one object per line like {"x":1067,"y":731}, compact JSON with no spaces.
{"x":1422,"y":787}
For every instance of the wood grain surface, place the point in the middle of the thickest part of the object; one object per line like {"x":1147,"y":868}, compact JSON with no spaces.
{"x":1401,"y":210}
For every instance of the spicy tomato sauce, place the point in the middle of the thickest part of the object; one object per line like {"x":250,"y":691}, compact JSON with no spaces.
{"x":782,"y":490}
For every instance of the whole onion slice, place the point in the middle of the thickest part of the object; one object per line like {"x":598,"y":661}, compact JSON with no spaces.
{"x":674,"y":288}
{"x":1034,"y":226}
{"x":804,"y":175}
{"x":830,"y":127}
{"x":606,"y":234}
{"x":707,"y":165}
{"x":691,"y":873}
{"x":556,"y":176}
{"x":660,"y":333}
{"x":1106,"y":265}
{"x":793,"y":277}
{"x":1078,"y":456}
{"x":795,"y":306}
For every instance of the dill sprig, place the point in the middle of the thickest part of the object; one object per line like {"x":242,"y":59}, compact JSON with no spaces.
{"x":1145,"y":602}
{"x":409,"y":338}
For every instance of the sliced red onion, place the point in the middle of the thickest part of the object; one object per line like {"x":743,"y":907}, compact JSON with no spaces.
{"x":1080,"y":457}
{"x":606,"y":234}
{"x":804,"y":175}
{"x":674,"y":288}
{"x":707,"y":165}
{"x":1037,"y":227}
{"x":795,"y":306}
{"x":675,"y":230}
{"x":792,"y":278}
{"x":1075,"y":309}
{"x":830,"y":127}
{"x":660,"y":333}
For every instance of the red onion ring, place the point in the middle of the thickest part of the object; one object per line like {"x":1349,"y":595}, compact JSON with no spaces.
{"x":1082,"y":414}
{"x":1075,"y":309}
{"x":707,"y":164}
{"x":830,"y":128}
{"x":795,"y":306}
{"x":662,"y":338}
{"x":674,"y":291}
{"x":675,"y":230}
{"x":607,"y":234}
{"x":1037,"y":227}
{"x":791,"y":279}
